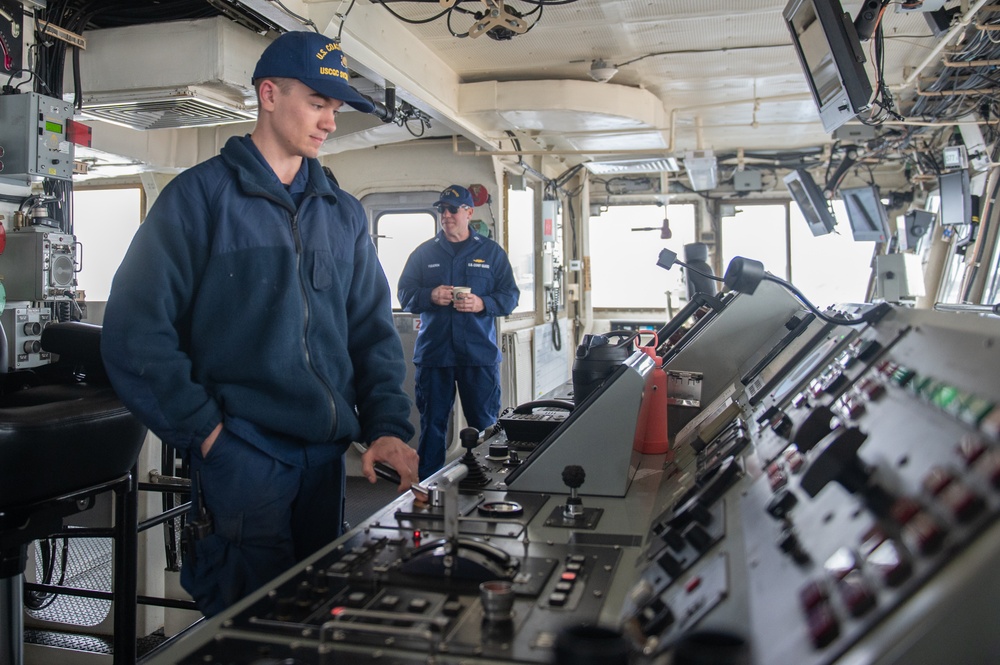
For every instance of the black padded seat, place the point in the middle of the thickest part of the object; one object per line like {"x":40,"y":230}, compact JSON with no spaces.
{"x":56,"y":439}
{"x":65,"y":438}
{"x":63,"y":433}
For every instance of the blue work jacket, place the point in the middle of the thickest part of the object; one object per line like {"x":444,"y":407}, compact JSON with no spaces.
{"x":236,"y":305}
{"x":447,"y":337}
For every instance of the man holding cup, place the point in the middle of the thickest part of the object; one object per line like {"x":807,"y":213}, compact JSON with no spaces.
{"x":458,"y":282}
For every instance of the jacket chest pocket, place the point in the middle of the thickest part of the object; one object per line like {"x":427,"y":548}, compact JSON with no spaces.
{"x":481,"y":284}
{"x":322,"y":270}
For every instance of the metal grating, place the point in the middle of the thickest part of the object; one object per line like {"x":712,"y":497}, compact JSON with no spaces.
{"x":70,"y":641}
{"x":88,"y":566}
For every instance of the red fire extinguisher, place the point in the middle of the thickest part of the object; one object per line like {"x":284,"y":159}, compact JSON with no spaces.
{"x":651,"y":428}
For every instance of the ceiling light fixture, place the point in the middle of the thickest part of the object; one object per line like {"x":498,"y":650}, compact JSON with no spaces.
{"x":602,"y":71}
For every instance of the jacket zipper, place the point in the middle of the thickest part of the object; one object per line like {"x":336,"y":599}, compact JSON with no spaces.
{"x":294,"y":219}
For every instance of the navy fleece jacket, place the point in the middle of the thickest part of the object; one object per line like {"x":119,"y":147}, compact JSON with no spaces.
{"x":232,"y":305}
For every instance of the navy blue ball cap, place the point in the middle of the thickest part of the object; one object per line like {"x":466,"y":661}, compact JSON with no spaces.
{"x":315,"y":60}
{"x":456,"y":195}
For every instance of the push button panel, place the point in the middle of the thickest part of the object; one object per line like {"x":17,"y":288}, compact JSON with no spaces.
{"x":899,"y":471}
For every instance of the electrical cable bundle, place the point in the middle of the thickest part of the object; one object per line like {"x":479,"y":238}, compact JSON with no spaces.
{"x":959,"y":90}
{"x":497,"y":33}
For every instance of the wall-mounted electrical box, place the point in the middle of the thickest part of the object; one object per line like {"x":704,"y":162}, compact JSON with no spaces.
{"x":550,"y":209}
{"x":23,"y":327}
{"x":33,"y":139}
{"x":40,"y":266}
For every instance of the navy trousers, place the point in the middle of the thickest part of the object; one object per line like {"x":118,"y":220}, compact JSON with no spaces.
{"x":479,"y":388}
{"x":266,"y":516}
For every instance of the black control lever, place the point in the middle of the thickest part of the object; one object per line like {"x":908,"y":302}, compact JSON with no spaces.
{"x":386,"y":472}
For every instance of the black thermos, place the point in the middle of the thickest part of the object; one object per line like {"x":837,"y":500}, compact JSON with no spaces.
{"x":596,"y":359}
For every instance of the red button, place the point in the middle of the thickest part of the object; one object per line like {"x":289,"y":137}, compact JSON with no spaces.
{"x":823,"y":627}
{"x":692,"y":584}
{"x":889,"y":564}
{"x":962,"y":502}
{"x":925,"y":533}
{"x":856,"y":594}
{"x":872,"y":389}
{"x":989,"y":466}
{"x":794,"y":459}
{"x":870,"y":540}
{"x":811,"y":595}
{"x":903,"y":510}
{"x":970,"y":448}
{"x":840,"y":563}
{"x":936,"y":480}
{"x":568,"y":577}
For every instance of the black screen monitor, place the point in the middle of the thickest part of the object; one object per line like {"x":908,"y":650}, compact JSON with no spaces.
{"x":810,"y":200}
{"x":867,"y":216}
{"x":956,"y":199}
{"x":832,"y":59}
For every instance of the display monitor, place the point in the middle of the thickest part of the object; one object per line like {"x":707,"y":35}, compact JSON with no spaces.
{"x":832,"y":59}
{"x":956,"y":199}
{"x":810,"y":200}
{"x":865,"y":213}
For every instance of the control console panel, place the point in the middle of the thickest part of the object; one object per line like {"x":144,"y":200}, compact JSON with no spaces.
{"x":838,"y":506}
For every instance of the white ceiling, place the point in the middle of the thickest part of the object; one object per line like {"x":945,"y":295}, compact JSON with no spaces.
{"x":725,"y":72}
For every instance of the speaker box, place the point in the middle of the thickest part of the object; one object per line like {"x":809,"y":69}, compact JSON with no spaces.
{"x":916,"y":224}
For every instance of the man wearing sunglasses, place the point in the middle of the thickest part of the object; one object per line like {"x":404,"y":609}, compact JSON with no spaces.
{"x":457,"y":341}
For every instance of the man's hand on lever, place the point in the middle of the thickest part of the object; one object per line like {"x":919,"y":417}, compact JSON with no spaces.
{"x":391,"y":451}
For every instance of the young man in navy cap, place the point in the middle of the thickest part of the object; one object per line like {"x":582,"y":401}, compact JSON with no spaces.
{"x":457,"y":342}
{"x":250,"y":327}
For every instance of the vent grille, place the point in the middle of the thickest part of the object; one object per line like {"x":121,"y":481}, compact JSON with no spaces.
{"x":621,"y":167}
{"x":186,"y":107}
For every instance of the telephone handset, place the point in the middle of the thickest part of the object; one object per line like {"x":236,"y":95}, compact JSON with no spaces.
{"x":529,"y":407}
{"x":524,"y":424}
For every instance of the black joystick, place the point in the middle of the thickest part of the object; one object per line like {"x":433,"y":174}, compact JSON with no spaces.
{"x":573,"y":477}
{"x":837,"y":460}
{"x":477,"y":476}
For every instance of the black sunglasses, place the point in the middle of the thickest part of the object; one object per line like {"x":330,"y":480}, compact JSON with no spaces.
{"x":452,"y":209}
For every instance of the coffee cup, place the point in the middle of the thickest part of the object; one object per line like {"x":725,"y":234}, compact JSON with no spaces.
{"x":459,"y":292}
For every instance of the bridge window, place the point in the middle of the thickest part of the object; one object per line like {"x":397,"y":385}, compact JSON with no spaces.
{"x":521,"y":244}
{"x":625,"y":244}
{"x":828,"y":269}
{"x":397,"y":235}
{"x":831,"y":268}
{"x":104,"y":221}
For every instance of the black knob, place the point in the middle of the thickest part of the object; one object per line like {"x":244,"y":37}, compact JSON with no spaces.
{"x":838,"y":460}
{"x":670,"y":565}
{"x":789,"y":543}
{"x":812,"y":430}
{"x":573,"y":476}
{"x":781,"y":424}
{"x":699,"y":538}
{"x":700,"y":514}
{"x":673,"y":539}
{"x":469,"y":438}
{"x":781,"y":504}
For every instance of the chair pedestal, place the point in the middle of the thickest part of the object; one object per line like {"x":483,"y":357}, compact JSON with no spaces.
{"x":11,"y":620}
{"x":63,"y":442}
